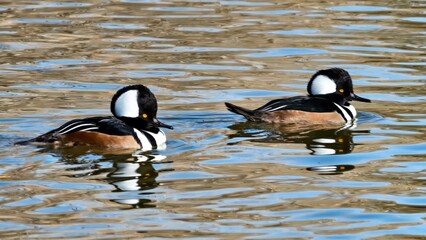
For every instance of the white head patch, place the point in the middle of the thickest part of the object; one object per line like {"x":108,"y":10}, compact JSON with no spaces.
{"x":323,"y":85}
{"x":127,"y":104}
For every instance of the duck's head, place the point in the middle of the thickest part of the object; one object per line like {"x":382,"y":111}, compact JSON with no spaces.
{"x":136,"y":105}
{"x":334,"y":81}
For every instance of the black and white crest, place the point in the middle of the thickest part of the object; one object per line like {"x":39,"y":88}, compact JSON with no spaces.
{"x":133,"y":100}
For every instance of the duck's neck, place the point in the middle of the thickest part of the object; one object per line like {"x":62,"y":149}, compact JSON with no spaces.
{"x":139,"y":124}
{"x":334,"y":97}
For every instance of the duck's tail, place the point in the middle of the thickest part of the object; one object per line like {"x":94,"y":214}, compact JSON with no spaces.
{"x":248,"y":114}
{"x":48,"y":137}
{"x":25,"y":142}
{"x":31,"y":141}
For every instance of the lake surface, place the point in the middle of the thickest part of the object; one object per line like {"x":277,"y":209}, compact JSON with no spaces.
{"x":220,"y":177}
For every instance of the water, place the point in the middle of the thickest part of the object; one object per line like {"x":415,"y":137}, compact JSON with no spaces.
{"x":220,"y":177}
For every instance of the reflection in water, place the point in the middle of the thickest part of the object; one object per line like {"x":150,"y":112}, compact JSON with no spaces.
{"x":320,"y":141}
{"x":130,"y":171}
{"x":138,"y":174}
{"x":195,"y":55}
{"x":331,"y":169}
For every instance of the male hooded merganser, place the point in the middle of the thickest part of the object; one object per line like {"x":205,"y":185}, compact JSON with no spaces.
{"x":330,"y":91}
{"x":134,"y":124}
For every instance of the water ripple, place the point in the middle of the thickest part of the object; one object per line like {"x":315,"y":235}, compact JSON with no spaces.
{"x":220,"y":177}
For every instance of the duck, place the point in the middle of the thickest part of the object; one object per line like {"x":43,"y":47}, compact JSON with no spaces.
{"x":134,"y":125}
{"x":330,"y":92}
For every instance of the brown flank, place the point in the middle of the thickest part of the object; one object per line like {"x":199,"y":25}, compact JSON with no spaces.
{"x":98,"y":139}
{"x":301,"y":117}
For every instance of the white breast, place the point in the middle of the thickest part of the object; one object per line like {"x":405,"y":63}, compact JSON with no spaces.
{"x":352,"y":109}
{"x":160,"y":139}
{"x":345,"y":112}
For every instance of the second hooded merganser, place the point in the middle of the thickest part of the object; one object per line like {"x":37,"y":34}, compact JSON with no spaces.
{"x":134,"y":124}
{"x":330,"y":91}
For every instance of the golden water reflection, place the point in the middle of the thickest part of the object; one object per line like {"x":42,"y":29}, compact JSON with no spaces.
{"x":61,"y":60}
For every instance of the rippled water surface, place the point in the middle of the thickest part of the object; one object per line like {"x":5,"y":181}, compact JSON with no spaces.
{"x":220,"y":177}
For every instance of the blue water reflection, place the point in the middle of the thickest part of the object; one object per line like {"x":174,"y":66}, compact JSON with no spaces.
{"x":219,"y":177}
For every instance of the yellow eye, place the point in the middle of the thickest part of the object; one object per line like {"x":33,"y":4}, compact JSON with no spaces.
{"x":144,"y":115}
{"x":341,"y":90}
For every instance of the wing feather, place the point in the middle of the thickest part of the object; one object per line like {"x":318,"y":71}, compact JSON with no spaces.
{"x":300,"y":103}
{"x":107,"y":125}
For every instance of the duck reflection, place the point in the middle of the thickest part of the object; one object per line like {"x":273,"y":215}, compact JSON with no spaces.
{"x":331,"y":169}
{"x":318,"y":140}
{"x":131,"y":173}
{"x":138,"y":175}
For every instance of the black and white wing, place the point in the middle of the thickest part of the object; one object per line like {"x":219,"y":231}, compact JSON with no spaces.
{"x":107,"y":125}
{"x":301,"y":103}
{"x":87,"y":124}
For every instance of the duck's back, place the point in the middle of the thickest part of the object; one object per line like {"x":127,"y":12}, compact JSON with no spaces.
{"x":304,"y":110}
{"x":94,"y":131}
